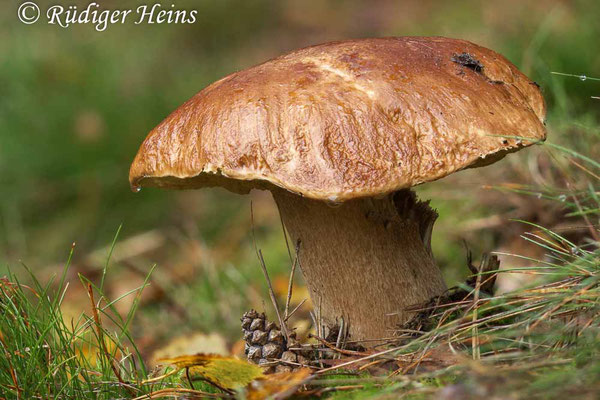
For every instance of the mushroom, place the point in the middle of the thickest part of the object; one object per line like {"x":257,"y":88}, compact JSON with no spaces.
{"x":339,"y":133}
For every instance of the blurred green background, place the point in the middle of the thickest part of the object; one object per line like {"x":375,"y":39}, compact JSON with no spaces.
{"x":75,"y":104}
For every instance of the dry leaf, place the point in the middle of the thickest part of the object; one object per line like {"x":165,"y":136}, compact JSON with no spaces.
{"x":277,"y":386}
{"x":225,"y":372}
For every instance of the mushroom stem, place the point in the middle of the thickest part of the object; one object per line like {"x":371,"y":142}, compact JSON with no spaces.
{"x":365,"y":260}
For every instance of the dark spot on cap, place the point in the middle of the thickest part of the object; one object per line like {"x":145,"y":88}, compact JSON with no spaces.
{"x":467,"y":60}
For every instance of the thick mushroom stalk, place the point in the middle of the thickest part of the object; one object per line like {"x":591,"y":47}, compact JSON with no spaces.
{"x":366,"y":260}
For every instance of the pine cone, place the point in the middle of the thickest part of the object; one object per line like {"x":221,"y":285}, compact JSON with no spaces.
{"x":266,"y":344}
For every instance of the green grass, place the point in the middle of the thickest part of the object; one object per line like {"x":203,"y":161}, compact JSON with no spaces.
{"x":541,"y":341}
{"x":46,"y":356}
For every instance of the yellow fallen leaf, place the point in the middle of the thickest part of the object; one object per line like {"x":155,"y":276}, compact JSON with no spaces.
{"x":277,"y":386}
{"x":224,"y":372}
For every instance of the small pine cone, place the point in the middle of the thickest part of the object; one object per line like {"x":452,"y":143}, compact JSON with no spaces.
{"x":254,"y":353}
{"x":257,"y":324}
{"x":259,"y":338}
{"x":270,"y":325}
{"x":246,"y":322}
{"x":265,"y":343}
{"x":272,"y":350}
{"x":250,"y":314}
{"x":289,"y":356}
{"x":294,"y":346}
{"x":255,"y":335}
{"x":275,"y":336}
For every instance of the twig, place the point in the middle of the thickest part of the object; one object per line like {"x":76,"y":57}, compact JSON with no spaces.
{"x":272,"y":294}
{"x":388,"y":339}
{"x":215,"y":384}
{"x":189,"y":378}
{"x":266,"y":274}
{"x":314,"y":320}
{"x":372,"y":363}
{"x":320,"y":319}
{"x":475,"y":338}
{"x":287,"y":244}
{"x":295,"y":309}
{"x":342,"y":365}
{"x":334,"y":348}
{"x":295,"y":364}
{"x":291,"y":282}
{"x":338,"y":342}
{"x":160,"y":377}
{"x":424,"y":353}
{"x":405,"y":369}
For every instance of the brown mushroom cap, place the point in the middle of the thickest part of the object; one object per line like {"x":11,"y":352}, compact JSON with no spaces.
{"x":347,"y":119}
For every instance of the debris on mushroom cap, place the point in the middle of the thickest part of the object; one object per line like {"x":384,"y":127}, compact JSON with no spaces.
{"x":347,"y":119}
{"x":468,"y":61}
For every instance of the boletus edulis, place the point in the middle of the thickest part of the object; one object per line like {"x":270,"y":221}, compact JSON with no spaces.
{"x":339,"y":133}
